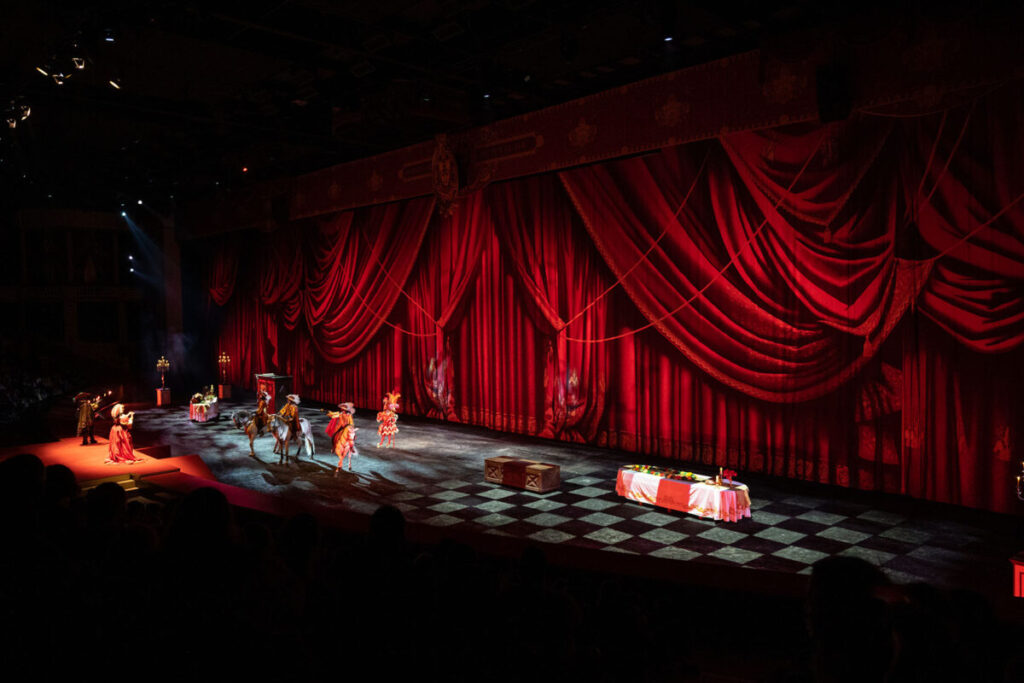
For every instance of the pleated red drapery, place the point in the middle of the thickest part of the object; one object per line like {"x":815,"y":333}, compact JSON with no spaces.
{"x":962,"y":170}
{"x":541,"y":237}
{"x":448,"y":266}
{"x":356,"y":271}
{"x":751,"y":296}
{"x":830,"y":303}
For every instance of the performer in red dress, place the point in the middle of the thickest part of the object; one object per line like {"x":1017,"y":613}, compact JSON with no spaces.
{"x":343,"y":433}
{"x":388,"y":419}
{"x":121,"y":449}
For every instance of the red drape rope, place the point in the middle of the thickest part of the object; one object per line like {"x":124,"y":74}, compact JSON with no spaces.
{"x":643,"y":257}
{"x":387,"y":322}
{"x":952,"y":153}
{"x":931,"y":259}
{"x":721,"y":271}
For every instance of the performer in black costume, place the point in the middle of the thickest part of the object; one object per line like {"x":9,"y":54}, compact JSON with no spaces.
{"x":88,"y":404}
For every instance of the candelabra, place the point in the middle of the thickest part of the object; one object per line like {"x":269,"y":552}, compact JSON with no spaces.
{"x":223,"y":361}
{"x":1020,"y":482}
{"x":162,"y":366}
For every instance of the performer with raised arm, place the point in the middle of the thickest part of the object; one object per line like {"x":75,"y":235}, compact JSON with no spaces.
{"x":388,"y":419}
{"x":121,"y":448}
{"x":342,"y":431}
{"x":290,"y":414}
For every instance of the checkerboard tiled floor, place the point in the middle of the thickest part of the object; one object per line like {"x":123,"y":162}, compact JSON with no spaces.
{"x":435,"y":477}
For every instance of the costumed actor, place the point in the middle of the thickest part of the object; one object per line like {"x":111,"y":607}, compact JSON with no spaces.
{"x":388,"y":419}
{"x":290,"y":415}
{"x":342,"y":431}
{"x":87,"y":407}
{"x":262,"y":417}
{"x":121,"y":447}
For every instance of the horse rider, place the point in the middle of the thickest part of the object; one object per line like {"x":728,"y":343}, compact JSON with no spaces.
{"x":290,"y":415}
{"x":262,"y":417}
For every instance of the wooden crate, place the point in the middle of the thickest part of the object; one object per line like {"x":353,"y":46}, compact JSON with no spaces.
{"x":531,"y":475}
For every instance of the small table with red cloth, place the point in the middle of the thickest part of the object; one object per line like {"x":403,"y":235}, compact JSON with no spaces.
{"x":702,"y":497}
{"x":203,"y":412}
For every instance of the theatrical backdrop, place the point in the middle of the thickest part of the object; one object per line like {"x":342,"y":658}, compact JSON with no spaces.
{"x":832,"y":302}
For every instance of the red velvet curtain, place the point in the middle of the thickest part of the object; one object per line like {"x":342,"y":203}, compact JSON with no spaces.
{"x":358,"y":266}
{"x":758,"y":300}
{"x":222,"y":269}
{"x":837,"y":303}
{"x":963,"y":174}
{"x":448,"y":264}
{"x":542,"y":239}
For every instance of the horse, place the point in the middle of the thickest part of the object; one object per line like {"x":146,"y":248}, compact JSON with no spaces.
{"x":279,"y":428}
{"x":246,"y":421}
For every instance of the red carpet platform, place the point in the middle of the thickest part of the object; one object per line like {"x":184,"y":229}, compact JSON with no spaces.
{"x":179,"y":475}
{"x":87,"y":461}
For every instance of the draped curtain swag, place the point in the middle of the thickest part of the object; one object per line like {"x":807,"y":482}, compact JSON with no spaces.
{"x":806,"y":300}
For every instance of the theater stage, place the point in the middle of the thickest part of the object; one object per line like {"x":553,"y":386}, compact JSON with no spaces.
{"x":435,"y":477}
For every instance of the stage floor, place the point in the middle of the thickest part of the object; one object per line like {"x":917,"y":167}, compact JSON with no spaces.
{"x":435,"y":477}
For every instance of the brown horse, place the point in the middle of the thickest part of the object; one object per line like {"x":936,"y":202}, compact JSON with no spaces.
{"x":246,"y":421}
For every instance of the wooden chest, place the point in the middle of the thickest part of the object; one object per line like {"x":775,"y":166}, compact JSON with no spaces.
{"x":522,"y":474}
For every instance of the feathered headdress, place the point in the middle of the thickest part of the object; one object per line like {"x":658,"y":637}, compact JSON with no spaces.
{"x":391,"y":397}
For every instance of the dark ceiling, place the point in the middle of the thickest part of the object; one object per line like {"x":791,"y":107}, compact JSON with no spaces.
{"x":219,"y":94}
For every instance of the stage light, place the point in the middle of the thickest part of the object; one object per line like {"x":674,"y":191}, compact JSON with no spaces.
{"x":668,"y":39}
{"x":108,"y":36}
{"x":130,"y":257}
{"x":60,"y":77}
{"x":79,"y":62}
{"x":124,"y":215}
{"x":42,"y":71}
{"x":131,"y":270}
{"x":140,"y":202}
{"x":26,"y":111}
{"x":487,"y":95}
{"x":115,"y":83}
{"x":245,"y":169}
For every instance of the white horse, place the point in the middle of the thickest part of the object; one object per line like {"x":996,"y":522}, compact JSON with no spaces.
{"x":279,"y":428}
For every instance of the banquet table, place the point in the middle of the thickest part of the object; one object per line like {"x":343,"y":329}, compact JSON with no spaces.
{"x":728,"y":502}
{"x":203,"y":412}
